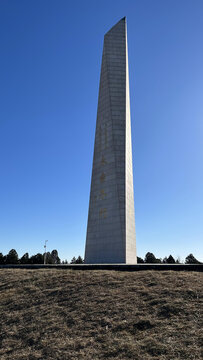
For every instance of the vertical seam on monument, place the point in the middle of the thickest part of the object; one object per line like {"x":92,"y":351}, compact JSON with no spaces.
{"x":125,"y":232}
{"x":91,"y":178}
{"x":94,"y":152}
{"x":125,"y":143}
{"x":130,"y":224}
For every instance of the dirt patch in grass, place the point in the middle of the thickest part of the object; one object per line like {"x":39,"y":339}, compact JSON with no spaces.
{"x":67,"y":314}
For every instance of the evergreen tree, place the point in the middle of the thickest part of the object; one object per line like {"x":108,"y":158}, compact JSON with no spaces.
{"x":55,"y":257}
{"x":73,"y":261}
{"x":24,"y":259}
{"x":49,"y":259}
{"x":37,"y":259}
{"x":12,"y":257}
{"x":170,"y":260}
{"x":1,"y":259}
{"x":190,"y":259}
{"x":150,"y":258}
{"x":140,"y":260}
{"x":79,"y":260}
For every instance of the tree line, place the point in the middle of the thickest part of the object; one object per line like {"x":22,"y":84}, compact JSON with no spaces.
{"x":48,"y":257}
{"x":53,"y":258}
{"x":151,"y":259}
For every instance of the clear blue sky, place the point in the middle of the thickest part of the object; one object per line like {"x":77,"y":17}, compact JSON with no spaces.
{"x":49,"y":79}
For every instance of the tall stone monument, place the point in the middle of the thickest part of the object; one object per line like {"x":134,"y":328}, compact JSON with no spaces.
{"x":111,"y":218}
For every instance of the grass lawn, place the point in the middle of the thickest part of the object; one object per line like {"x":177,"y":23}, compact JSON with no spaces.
{"x":69,"y":314}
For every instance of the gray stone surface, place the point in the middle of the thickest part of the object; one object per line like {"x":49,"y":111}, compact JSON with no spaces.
{"x":111,"y":218}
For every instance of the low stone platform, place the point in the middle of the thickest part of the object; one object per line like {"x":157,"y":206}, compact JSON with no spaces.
{"x":117,"y":267}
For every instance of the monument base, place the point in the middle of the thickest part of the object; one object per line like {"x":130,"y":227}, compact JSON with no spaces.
{"x":115,"y":267}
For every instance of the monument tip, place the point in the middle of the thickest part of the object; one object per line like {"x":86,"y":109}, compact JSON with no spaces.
{"x":117,"y":24}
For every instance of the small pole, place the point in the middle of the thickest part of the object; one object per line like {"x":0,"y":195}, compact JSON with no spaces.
{"x":45,"y":251}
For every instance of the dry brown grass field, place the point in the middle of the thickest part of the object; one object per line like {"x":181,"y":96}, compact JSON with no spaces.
{"x":67,"y":314}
